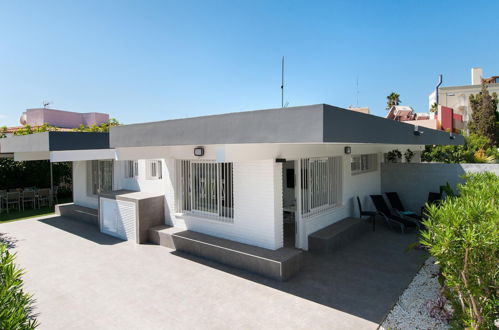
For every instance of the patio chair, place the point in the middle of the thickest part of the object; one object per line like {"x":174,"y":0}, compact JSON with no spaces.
{"x":44,"y":197}
{"x":29,"y":197}
{"x":13,"y":198}
{"x":396,"y":204}
{"x":54,"y":195}
{"x":370,"y":214}
{"x":3,"y":192}
{"x":392,"y":219}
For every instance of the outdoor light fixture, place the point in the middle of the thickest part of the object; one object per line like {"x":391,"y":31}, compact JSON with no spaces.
{"x":348,"y":150}
{"x":452,"y":136}
{"x":417,"y":132}
{"x":199,"y":151}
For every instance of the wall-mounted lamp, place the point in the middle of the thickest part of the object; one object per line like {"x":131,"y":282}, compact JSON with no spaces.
{"x":348,"y":150}
{"x":199,"y":151}
{"x":417,"y":132}
{"x":452,"y":136}
{"x":280,"y":160}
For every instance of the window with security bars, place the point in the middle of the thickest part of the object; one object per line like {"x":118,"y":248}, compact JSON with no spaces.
{"x":321,"y":185}
{"x":205,"y":188}
{"x":364,"y":163}
{"x":154,"y":169}
{"x":100,"y":176}
{"x":131,"y":168}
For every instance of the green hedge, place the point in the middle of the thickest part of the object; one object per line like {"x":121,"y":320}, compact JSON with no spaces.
{"x":33,"y":174}
{"x":463,"y":235}
{"x":16,"y":306}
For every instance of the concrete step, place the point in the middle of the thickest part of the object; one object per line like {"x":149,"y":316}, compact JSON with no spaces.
{"x":278,"y":264}
{"x":337,"y":235}
{"x":162,"y":235}
{"x":77,"y":212}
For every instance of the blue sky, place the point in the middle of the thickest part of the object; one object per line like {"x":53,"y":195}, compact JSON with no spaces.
{"x":152,"y":60}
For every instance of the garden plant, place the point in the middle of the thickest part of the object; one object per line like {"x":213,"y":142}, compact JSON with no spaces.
{"x":462,"y":234}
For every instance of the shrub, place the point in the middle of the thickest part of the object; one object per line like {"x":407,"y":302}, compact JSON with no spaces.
{"x":462,"y":233}
{"x":474,"y":150}
{"x":16,"y":306}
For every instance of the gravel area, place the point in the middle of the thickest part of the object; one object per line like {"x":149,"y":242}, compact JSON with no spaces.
{"x":414,"y":306}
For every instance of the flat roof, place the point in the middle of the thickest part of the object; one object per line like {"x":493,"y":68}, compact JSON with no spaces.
{"x":54,"y":141}
{"x":320,"y":123}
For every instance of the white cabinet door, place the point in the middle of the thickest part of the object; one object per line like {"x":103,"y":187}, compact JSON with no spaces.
{"x":118,"y":218}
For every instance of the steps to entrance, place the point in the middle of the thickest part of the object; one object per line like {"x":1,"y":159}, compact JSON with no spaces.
{"x":77,"y":212}
{"x":278,"y":264}
{"x":337,"y":235}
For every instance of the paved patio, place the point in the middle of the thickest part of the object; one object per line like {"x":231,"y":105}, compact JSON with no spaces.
{"x":83,"y":279}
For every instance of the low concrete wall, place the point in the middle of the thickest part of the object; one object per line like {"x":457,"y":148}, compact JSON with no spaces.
{"x":413,"y":181}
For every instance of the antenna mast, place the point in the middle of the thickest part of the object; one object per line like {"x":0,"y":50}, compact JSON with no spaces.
{"x":282,"y":83}
{"x":357,"y":91}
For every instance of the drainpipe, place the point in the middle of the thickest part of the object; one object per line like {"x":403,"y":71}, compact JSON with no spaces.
{"x":436,"y":88}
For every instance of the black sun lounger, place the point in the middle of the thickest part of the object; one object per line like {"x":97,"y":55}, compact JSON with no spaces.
{"x":390,"y":217}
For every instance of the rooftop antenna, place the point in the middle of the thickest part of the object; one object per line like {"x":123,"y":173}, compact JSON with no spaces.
{"x":282,"y":83}
{"x":46,"y":104}
{"x":357,"y":91}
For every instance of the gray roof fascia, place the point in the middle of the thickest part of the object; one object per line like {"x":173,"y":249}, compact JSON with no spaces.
{"x":346,"y":126}
{"x":320,"y":123}
{"x":55,"y":141}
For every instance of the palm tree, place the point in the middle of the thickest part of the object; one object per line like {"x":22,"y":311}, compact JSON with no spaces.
{"x":392,"y":99}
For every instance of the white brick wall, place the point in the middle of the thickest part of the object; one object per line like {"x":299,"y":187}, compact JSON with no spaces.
{"x":257,"y":215}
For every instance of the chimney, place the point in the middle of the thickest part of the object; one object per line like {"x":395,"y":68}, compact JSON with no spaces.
{"x":476,"y":76}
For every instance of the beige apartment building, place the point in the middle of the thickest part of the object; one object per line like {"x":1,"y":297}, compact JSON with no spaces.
{"x":457,"y":97}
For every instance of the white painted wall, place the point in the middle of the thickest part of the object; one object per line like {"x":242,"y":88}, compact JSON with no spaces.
{"x":258,"y":193}
{"x":80,"y":196}
{"x":258,"y":204}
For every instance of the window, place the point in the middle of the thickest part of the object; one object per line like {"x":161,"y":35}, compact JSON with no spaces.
{"x":131,"y":168}
{"x":205,"y":188}
{"x":320,"y":184}
{"x":364,"y":163}
{"x":101,"y":176}
{"x":154,"y":170}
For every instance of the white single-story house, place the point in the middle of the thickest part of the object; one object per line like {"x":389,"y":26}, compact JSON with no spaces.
{"x":266,"y":178}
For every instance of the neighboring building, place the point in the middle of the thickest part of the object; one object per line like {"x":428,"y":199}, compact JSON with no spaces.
{"x":444,"y":119}
{"x":61,"y":118}
{"x":359,"y":109}
{"x":457,"y":97}
{"x":267,"y":178}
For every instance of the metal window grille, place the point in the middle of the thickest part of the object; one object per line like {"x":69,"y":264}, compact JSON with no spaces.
{"x":364,"y":163}
{"x":205,"y":188}
{"x":321,"y":184}
{"x":131,"y":168}
{"x":154,"y":170}
{"x":101,"y":176}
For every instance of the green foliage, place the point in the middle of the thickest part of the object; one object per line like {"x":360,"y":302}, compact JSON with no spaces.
{"x":394,"y":156}
{"x":3,"y":130}
{"x":27,"y":129}
{"x":471,"y":152}
{"x":16,"y":306}
{"x":34,"y":174}
{"x":484,"y":115}
{"x":408,"y":155}
{"x":462,"y":234}
{"x":392,"y":99}
{"x":104,"y":127}
{"x":434,"y":107}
